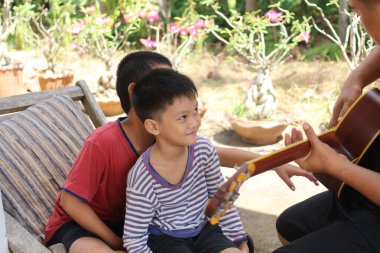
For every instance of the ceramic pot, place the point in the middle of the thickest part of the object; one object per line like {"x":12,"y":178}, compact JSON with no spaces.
{"x":110,"y":106}
{"x":11,"y":79}
{"x":258,"y":132}
{"x":54,"y":82}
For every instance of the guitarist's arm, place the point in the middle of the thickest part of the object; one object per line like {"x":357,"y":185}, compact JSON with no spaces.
{"x":364,"y":74}
{"x":230,"y":157}
{"x":323,"y":159}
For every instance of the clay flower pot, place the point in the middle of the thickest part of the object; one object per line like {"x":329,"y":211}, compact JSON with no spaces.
{"x":55,"y":81}
{"x":258,"y":132}
{"x":110,"y":106}
{"x":11,"y":79}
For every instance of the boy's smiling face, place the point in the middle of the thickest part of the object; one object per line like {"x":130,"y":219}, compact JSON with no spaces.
{"x":178,"y":124}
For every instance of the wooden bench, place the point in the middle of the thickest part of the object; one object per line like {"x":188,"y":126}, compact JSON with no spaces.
{"x":40,"y":136}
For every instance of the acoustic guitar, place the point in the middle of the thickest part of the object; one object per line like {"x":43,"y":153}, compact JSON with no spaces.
{"x":352,"y":137}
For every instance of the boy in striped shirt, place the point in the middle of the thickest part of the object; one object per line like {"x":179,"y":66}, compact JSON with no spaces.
{"x":170,"y":184}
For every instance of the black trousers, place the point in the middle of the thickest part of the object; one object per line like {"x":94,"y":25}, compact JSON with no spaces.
{"x":210,"y":240}
{"x":319,"y":225}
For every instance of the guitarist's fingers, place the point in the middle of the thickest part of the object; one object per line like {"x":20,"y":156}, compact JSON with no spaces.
{"x":310,"y":134}
{"x":336,"y":112}
{"x":344,"y":110}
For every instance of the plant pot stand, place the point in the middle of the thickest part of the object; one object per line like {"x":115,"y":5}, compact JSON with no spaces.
{"x":258,"y":132}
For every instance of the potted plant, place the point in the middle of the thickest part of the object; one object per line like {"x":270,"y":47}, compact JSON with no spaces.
{"x":11,"y":71}
{"x":51,"y":36}
{"x":102,"y":36}
{"x":176,"y":40}
{"x":248,"y":36}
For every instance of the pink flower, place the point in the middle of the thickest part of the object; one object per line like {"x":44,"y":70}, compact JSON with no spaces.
{"x":194,"y":31}
{"x":305,"y":36}
{"x":77,"y":27}
{"x":98,"y":20}
{"x":201,"y":23}
{"x":127,"y":19}
{"x":106,"y":20}
{"x":183,"y":31}
{"x":273,"y":16}
{"x":173,"y":27}
{"x":153,"y":15}
{"x":148,"y":43}
{"x":142,"y":14}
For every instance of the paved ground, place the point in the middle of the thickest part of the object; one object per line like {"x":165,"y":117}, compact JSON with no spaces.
{"x":262,"y":199}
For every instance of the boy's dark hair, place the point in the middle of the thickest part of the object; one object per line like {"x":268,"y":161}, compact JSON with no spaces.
{"x":131,"y":68}
{"x":158,"y":89}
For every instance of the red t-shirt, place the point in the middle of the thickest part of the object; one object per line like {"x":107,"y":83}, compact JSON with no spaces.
{"x":99,"y":176}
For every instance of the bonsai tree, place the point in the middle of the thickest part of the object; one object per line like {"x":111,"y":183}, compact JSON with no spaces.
{"x":11,"y":71}
{"x":248,"y":35}
{"x":51,"y":36}
{"x":6,"y":28}
{"x":356,"y":45}
{"x":176,"y":40}
{"x":102,"y":36}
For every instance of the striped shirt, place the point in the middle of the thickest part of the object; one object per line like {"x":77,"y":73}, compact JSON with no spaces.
{"x":155,"y":206}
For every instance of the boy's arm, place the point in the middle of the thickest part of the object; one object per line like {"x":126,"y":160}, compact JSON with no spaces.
{"x":84,"y":215}
{"x":230,"y":223}
{"x":138,"y":214}
{"x":230,"y":157}
{"x":367,"y":72}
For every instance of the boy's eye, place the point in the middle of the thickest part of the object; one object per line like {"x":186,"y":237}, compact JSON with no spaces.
{"x":182,"y":117}
{"x":196,"y":110}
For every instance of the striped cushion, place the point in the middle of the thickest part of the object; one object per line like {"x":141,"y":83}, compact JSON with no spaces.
{"x":37,"y":149}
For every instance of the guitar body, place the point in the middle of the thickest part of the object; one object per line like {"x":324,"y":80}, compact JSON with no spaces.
{"x":354,"y":135}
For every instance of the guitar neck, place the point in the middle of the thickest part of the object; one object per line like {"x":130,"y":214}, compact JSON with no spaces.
{"x":290,"y":153}
{"x":259,"y":165}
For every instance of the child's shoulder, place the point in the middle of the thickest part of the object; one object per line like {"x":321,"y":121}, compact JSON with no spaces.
{"x":204,"y":143}
{"x":139,"y":171}
{"x":106,"y":133}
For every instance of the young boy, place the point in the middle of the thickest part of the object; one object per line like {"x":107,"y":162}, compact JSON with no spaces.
{"x":171,"y":182}
{"x":88,"y":214}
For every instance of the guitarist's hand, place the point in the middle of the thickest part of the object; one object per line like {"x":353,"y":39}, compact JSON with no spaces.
{"x":321,"y":158}
{"x":285,"y":173}
{"x":350,"y":92}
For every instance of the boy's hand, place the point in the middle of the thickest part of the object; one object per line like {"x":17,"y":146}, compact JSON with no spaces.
{"x":285,"y":172}
{"x":244,"y":247}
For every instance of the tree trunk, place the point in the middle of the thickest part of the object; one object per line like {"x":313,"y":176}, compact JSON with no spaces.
{"x":343,"y":22}
{"x":250,"y":5}
{"x":165,"y":9}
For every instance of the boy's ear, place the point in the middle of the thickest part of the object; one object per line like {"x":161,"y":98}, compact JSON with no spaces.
{"x":131,"y":86}
{"x":151,"y":126}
